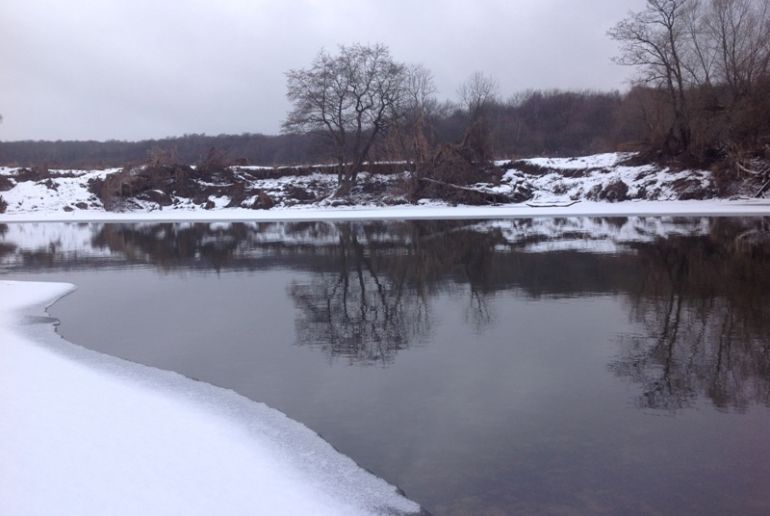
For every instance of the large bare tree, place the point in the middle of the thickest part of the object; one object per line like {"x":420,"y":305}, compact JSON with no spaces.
{"x":654,"y":40}
{"x":711,"y":58}
{"x":352,"y":97}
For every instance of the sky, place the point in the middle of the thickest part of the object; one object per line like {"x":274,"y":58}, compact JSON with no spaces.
{"x":136,"y":69}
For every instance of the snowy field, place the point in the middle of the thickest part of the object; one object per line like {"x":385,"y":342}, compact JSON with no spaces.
{"x":87,"y":434}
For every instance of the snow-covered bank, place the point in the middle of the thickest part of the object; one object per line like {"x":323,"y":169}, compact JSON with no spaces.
{"x":601,"y":185}
{"x":758,"y":207}
{"x":244,"y":192}
{"x":84,"y":433}
{"x":606,"y":177}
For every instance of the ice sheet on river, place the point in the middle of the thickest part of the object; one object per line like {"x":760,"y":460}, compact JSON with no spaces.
{"x":84,"y":433}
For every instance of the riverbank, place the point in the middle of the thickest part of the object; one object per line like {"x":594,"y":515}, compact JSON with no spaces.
{"x":717,"y":207}
{"x":604,"y":184}
{"x":86,"y":433}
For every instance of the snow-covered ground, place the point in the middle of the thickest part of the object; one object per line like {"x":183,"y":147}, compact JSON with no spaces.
{"x":87,"y":434}
{"x":56,"y":195}
{"x":743,"y":207}
{"x":556,"y":180}
{"x":554,"y":183}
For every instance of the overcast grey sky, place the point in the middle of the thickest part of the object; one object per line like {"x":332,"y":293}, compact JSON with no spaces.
{"x":132,"y":69}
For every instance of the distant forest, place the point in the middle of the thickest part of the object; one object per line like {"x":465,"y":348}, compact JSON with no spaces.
{"x":555,"y":123}
{"x":701,"y":98}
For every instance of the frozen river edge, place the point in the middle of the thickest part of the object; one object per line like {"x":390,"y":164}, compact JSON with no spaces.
{"x":86,"y":433}
{"x":745,"y":207}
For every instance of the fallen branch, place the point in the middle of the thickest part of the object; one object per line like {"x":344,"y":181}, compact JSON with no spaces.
{"x":491,"y":197}
{"x":747,"y":170}
{"x":553,"y":205}
{"x":764,"y":188}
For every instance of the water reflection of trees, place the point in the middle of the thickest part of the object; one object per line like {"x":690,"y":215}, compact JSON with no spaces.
{"x":702,"y":300}
{"x":700,"y":296}
{"x":169,"y":245}
{"x":369,"y":296}
{"x":357,"y":311}
{"x":704,"y":304}
{"x":6,"y":249}
{"x":377,"y":300}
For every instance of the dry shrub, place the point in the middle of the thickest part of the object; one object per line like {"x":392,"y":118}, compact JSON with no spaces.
{"x":263,"y":201}
{"x":304,"y":170}
{"x":453,"y":168}
{"x":741,"y":174}
{"x":537,"y":170}
{"x":6,"y":184}
{"x":724,"y":178}
{"x":237,"y":194}
{"x":560,"y":188}
{"x":691,"y":189}
{"x":616,"y":191}
{"x":529,"y":168}
{"x":32,"y":174}
{"x":452,"y":165}
{"x":215,"y":161}
{"x":299,"y":194}
{"x":139,"y":182}
{"x":162,"y":156}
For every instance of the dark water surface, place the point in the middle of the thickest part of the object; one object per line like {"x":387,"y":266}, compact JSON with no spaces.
{"x":544,"y":366}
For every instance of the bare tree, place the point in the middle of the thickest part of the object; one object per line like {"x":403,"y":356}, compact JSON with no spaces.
{"x":419,"y":105}
{"x":352,"y":97}
{"x":654,"y":40}
{"x":712,"y":58}
{"x":739,"y":32}
{"x":477,"y":93}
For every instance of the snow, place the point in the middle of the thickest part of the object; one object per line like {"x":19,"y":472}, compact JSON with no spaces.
{"x":595,"y":161}
{"x":84,"y":433}
{"x":67,"y":191}
{"x":74,"y":242}
{"x":558,"y":181}
{"x":591,"y":235}
{"x":427,"y":210}
{"x":572,"y":179}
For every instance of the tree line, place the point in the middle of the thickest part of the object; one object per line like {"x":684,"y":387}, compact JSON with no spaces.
{"x":701,"y":97}
{"x":534,"y":122}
